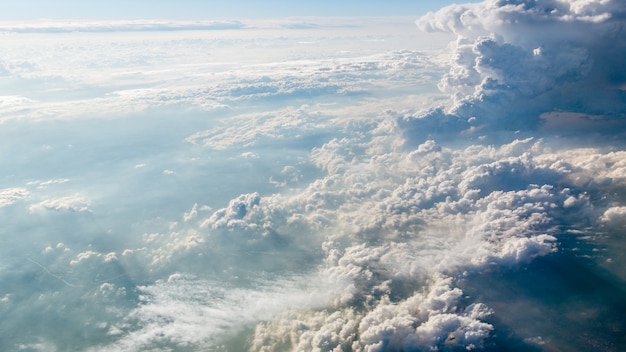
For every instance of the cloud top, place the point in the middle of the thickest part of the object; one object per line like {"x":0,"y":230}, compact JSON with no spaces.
{"x":502,"y":16}
{"x":514,"y":60}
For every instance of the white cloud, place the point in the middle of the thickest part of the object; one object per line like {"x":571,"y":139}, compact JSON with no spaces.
{"x":191,"y":213}
{"x":233,"y":215}
{"x":44,"y":184}
{"x":248,"y":155}
{"x":9,"y":196}
{"x":420,"y":322}
{"x":615,"y":216}
{"x":254,"y":128}
{"x":152,"y":71}
{"x":85,"y":256}
{"x":400,"y":217}
{"x":514,"y":61}
{"x":13,"y":103}
{"x":75,"y":203}
{"x":57,"y":26}
{"x":385,"y":214}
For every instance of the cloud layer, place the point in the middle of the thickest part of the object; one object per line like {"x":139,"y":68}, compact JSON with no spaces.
{"x":170,"y":191}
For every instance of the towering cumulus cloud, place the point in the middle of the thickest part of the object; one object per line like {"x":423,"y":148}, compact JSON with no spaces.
{"x":517,"y":59}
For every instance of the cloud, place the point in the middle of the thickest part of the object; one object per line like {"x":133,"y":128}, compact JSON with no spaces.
{"x":394,"y":206}
{"x":191,"y":213}
{"x":516,"y":60}
{"x":187,"y":311}
{"x":233,"y":215}
{"x":44,"y":184}
{"x":53,"y":26}
{"x":149,"y":79}
{"x":75,"y":203}
{"x":268,"y":127}
{"x":187,"y":72}
{"x":614,"y":216}
{"x":395,"y":232}
{"x":84,"y":256}
{"x":424,"y":323}
{"x":9,"y":196}
{"x":13,"y":103}
{"x":421,"y":322}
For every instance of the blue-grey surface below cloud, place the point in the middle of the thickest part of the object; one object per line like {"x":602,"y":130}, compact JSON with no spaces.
{"x":314,"y":184}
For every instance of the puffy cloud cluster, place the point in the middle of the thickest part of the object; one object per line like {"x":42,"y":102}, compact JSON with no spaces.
{"x":420,"y":322}
{"x":233,"y":215}
{"x":517,"y":59}
{"x":424,"y":322}
{"x":392,"y":233}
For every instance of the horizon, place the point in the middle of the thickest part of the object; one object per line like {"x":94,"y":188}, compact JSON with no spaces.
{"x":209,"y":10}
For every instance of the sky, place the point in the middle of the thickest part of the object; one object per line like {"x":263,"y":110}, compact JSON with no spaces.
{"x":200,"y":10}
{"x":451,"y":180}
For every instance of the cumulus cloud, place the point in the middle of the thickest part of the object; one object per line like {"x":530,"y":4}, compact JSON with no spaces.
{"x":424,"y":322}
{"x":89,"y":255}
{"x":233,"y":215}
{"x":394,"y":239}
{"x":421,"y":322}
{"x":516,"y":60}
{"x":614,"y":216}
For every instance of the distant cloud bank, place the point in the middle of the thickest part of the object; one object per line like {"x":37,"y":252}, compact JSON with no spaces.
{"x":58,"y":26}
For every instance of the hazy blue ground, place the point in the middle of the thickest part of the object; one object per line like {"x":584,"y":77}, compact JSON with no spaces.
{"x":316,"y":184}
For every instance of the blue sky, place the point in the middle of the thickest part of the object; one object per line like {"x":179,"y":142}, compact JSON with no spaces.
{"x":208,"y":9}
